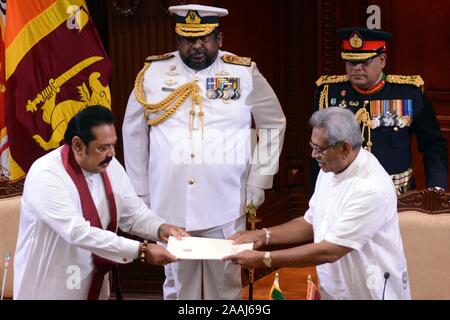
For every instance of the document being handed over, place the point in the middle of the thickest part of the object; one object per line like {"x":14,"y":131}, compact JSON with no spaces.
{"x":193,"y":248}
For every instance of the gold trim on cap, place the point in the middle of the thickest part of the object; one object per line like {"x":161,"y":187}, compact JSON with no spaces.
{"x":195,"y":30}
{"x":358,"y":56}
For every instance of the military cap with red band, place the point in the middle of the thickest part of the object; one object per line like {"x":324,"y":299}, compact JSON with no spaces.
{"x":360,"y":44}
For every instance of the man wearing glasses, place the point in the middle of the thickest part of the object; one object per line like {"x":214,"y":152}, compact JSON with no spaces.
{"x":389,"y":109}
{"x":188,"y":147}
{"x":351,"y":227}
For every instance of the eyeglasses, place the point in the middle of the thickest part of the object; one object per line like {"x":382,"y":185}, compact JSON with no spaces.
{"x":193,"y":40}
{"x":321,"y":150}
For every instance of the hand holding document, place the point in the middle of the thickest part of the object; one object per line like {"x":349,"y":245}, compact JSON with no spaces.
{"x":193,"y":248}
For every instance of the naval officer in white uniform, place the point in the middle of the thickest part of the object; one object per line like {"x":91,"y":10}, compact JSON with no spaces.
{"x":190,"y":150}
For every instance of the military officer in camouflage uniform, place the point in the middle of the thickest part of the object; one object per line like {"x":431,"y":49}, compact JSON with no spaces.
{"x":389,"y":108}
{"x":188,"y":147}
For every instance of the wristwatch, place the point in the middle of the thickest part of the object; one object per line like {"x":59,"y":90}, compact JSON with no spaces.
{"x":267,"y":260}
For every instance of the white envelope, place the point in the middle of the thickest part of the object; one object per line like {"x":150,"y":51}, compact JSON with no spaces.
{"x":194,"y":248}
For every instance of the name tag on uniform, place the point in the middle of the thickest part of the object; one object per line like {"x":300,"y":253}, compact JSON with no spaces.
{"x":165,"y":89}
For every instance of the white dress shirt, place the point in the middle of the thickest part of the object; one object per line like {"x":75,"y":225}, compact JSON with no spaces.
{"x":358,"y":209}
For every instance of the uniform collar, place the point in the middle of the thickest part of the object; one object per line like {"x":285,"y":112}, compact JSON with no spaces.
{"x":377,"y":87}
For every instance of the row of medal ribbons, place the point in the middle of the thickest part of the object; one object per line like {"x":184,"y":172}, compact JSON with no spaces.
{"x":223,"y":88}
{"x":391,"y":113}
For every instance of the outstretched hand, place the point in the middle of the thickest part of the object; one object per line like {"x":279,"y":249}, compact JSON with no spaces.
{"x":257,"y":237}
{"x":247,"y":259}
{"x":158,"y":255}
{"x":167,"y":230}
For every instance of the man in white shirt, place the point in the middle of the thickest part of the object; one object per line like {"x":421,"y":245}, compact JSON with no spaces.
{"x":188,"y":145}
{"x":352,"y":220}
{"x":74,"y":199}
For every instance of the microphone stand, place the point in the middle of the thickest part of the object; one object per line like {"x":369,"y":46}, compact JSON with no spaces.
{"x":7,"y":259}
{"x":386,"y":277}
{"x":252,"y":219}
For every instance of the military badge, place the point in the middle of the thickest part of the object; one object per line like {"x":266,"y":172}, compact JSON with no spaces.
{"x":356,"y":41}
{"x":388,"y":120}
{"x":193,"y":17}
{"x":222,"y":74}
{"x":225,"y":88}
{"x":343,"y":104}
{"x":171,"y":73}
{"x":170,"y":82}
{"x":333,"y":101}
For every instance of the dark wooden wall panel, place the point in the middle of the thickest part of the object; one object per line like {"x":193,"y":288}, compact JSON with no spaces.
{"x":131,"y":39}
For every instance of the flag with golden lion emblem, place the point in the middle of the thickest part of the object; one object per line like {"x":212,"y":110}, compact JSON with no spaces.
{"x":55,"y":65}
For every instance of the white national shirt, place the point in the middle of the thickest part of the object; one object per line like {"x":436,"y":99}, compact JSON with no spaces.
{"x":53,"y":257}
{"x":358,"y":209}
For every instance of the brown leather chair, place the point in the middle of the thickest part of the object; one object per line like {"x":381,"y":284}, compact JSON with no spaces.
{"x":424,"y":218}
{"x":9,"y":225}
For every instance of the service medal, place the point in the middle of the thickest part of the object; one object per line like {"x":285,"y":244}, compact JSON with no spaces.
{"x":210,"y":94}
{"x":401,"y":123}
{"x":226,"y":95}
{"x":375,"y":123}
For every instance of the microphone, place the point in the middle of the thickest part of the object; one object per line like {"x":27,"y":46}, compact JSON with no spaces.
{"x":386,"y":277}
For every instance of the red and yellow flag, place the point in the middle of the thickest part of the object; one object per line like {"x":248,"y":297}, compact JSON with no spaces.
{"x":4,"y":147}
{"x":55,"y":66}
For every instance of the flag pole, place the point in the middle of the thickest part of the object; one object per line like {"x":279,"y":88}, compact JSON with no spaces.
{"x":7,"y":259}
{"x":252,"y":219}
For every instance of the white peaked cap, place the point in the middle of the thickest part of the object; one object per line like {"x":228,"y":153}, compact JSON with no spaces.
{"x":203,"y":11}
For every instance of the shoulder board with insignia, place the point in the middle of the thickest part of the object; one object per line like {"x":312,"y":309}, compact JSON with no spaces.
{"x":241,"y":61}
{"x":411,"y":80}
{"x":160,"y":57}
{"x":331,"y":79}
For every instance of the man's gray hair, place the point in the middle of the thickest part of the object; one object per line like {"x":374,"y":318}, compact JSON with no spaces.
{"x":340,"y":125}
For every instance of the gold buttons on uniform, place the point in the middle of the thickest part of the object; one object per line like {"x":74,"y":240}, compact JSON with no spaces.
{"x":191,"y":182}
